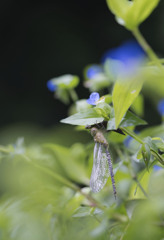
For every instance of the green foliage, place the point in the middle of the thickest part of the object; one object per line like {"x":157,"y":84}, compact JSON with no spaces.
{"x":88,"y":117}
{"x":128,"y":120}
{"x":98,"y":82}
{"x":65,"y":87}
{"x":138,"y":105}
{"x":44,"y":184}
{"x":124,"y":93}
{"x":66,"y":81}
{"x":131,"y":13}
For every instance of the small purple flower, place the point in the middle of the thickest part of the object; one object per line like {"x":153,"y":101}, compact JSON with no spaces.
{"x":51,"y":86}
{"x":156,"y":168}
{"x":93,"y":98}
{"x":129,"y":56}
{"x":93,"y":71}
{"x":161,"y":107}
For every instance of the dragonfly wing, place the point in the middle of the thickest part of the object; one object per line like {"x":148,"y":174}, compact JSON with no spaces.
{"x":100,"y":170}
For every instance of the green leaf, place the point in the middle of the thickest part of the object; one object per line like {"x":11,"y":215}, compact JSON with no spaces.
{"x":153,"y":89}
{"x":67,"y":81}
{"x":124,"y":93}
{"x":150,"y":143}
{"x":129,"y":119}
{"x":108,"y":98}
{"x":63,"y":95}
{"x":104,"y":108}
{"x":155,"y":131}
{"x":99,"y":82}
{"x":131,"y":13}
{"x":83,"y":212}
{"x":88,"y":117}
{"x":153,"y":147}
{"x":138,"y":105}
{"x":142,"y":9}
{"x":81,"y":105}
{"x":145,"y":150}
{"x":131,"y":205}
{"x":72,"y":168}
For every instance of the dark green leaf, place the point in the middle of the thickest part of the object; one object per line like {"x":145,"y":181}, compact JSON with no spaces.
{"x":130,"y":119}
{"x":145,"y":150}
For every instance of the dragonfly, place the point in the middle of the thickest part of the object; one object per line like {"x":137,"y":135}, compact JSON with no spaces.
{"x":102,"y":162}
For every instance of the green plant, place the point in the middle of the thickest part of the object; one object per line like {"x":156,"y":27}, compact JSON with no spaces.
{"x":45,"y":191}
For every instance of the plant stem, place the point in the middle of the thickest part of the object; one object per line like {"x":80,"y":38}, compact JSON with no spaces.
{"x":138,"y":139}
{"x":132,"y":134}
{"x":161,"y":60}
{"x":73,"y":95}
{"x":64,"y":181}
{"x":140,"y":186}
{"x":151,"y":54}
{"x":52,"y":174}
{"x":124,"y":232}
{"x":4,"y":149}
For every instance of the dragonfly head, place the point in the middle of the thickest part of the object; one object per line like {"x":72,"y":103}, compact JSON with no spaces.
{"x":94,"y":131}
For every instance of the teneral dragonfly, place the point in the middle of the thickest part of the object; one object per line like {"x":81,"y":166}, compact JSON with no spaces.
{"x":102,"y":163}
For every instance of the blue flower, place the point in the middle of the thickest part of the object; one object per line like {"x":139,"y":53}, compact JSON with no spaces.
{"x":127,"y":141}
{"x":93,"y":71}
{"x":157,"y":168}
{"x":161,"y":107}
{"x":128,"y":57}
{"x":93,"y":98}
{"x":51,"y":86}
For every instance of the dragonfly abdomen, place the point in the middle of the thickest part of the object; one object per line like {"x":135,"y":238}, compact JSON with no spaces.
{"x":111,"y":171}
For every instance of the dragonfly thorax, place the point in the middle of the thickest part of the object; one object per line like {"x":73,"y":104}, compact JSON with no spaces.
{"x":98,"y":136}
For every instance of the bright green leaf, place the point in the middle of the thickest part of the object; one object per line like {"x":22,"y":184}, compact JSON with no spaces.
{"x":138,"y":105}
{"x":131,"y":13}
{"x":124,"y":93}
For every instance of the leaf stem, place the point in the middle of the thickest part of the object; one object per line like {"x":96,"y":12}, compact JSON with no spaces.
{"x":140,"y":186}
{"x":73,"y":95}
{"x":132,"y":134}
{"x":138,"y":139}
{"x":66,"y":182}
{"x":50,"y":173}
{"x":151,"y":54}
